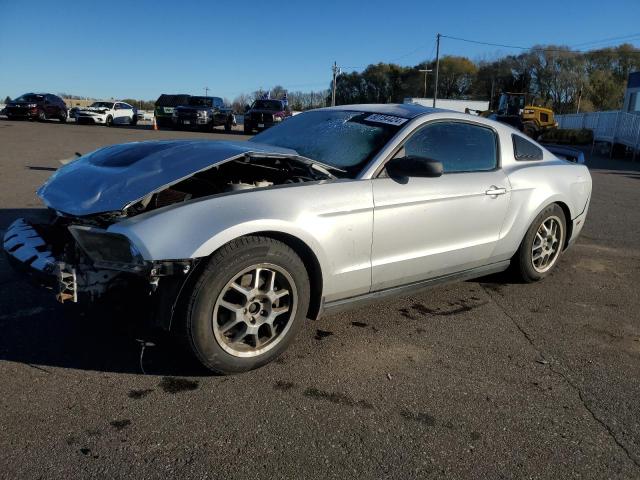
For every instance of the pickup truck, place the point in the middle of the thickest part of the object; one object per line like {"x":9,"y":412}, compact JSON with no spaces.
{"x":265,"y":113}
{"x":204,"y":113}
{"x":165,"y":105}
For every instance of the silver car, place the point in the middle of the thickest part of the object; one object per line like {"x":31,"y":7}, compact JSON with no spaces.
{"x":234,"y":244}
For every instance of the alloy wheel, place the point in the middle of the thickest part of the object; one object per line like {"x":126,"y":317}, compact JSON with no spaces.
{"x":255,"y":310}
{"x":547,"y":244}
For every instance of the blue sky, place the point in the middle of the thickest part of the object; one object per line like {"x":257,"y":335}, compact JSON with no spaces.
{"x":139,"y":49}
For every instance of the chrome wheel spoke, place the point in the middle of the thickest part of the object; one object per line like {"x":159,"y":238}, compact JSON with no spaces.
{"x":241,"y":290}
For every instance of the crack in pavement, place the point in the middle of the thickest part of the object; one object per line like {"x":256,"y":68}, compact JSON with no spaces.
{"x":566,"y":378}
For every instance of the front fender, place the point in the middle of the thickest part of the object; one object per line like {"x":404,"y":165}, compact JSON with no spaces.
{"x":334,"y":219}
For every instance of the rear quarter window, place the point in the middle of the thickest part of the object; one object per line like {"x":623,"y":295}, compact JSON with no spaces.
{"x":524,"y":150}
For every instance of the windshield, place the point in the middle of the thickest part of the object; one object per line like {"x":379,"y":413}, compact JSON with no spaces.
{"x":29,"y":97}
{"x":268,"y":105}
{"x":102,"y":105}
{"x":201,"y":101}
{"x":343,"y":139}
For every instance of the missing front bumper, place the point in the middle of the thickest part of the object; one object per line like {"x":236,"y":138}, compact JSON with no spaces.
{"x":28,"y":252}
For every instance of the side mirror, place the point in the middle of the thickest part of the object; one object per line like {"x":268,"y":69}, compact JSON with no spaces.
{"x":414,"y":166}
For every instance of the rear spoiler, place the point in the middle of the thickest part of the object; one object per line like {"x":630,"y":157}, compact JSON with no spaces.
{"x":566,"y":153}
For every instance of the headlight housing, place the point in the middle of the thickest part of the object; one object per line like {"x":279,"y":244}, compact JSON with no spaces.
{"x":202,"y":113}
{"x":109,"y":250}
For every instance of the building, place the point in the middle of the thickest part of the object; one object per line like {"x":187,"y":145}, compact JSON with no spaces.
{"x":447,"y":104}
{"x":632,"y":94}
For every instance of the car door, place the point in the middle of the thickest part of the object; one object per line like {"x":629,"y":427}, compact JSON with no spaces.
{"x":120,"y":114}
{"x":50,"y":107}
{"x":429,"y":227}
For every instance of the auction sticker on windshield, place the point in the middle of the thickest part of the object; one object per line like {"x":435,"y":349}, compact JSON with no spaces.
{"x":389,"y":119}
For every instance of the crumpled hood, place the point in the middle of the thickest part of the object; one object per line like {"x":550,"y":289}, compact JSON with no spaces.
{"x":93,"y":110}
{"x":111,"y":178}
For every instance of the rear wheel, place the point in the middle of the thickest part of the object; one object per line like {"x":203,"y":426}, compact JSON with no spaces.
{"x":247,"y":305}
{"x":134,"y":120}
{"x":63,"y":117}
{"x":542,"y":245}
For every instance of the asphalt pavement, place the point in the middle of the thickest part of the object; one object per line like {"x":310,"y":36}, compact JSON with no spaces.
{"x":480,"y":379}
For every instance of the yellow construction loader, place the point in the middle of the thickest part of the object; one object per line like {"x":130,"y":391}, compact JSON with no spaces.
{"x":517,"y":110}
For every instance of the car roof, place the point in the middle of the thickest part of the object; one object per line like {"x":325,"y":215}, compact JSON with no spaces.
{"x":404,"y":110}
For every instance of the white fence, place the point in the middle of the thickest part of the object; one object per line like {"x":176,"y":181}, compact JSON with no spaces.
{"x":612,"y":127}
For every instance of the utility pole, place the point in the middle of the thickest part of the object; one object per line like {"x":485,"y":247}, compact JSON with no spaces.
{"x":435,"y":87}
{"x":206,"y":91}
{"x":336,"y":71}
{"x":579,"y":98}
{"x":426,"y":70}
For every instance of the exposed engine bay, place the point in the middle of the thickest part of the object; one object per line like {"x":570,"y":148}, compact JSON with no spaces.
{"x":237,"y":175}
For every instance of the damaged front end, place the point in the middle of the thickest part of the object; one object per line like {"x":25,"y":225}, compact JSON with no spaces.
{"x":82,"y":259}
{"x":84,"y":263}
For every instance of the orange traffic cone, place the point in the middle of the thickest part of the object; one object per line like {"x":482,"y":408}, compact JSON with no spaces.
{"x":155,"y":124}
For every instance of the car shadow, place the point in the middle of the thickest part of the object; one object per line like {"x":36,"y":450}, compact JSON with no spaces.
{"x":38,"y":331}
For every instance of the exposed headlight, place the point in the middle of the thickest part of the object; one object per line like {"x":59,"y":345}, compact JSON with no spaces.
{"x":107,"y":249}
{"x":277,"y":118}
{"x":202,"y":113}
{"x":32,"y":105}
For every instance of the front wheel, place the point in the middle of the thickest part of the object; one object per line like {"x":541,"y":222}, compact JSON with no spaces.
{"x":42,"y":116}
{"x":228,"y":126}
{"x":247,"y":129}
{"x":247,"y":305}
{"x":109,"y":121}
{"x":542,"y":245}
{"x":63,"y":117}
{"x":134,"y":120}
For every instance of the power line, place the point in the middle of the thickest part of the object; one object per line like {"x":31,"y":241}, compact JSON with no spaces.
{"x":610,"y":39}
{"x":532,"y":49}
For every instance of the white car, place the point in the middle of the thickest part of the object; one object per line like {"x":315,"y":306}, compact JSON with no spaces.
{"x":108,"y":113}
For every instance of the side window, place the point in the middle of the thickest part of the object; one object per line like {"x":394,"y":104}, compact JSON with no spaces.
{"x":523,"y":149}
{"x":126,"y":106}
{"x":461,"y":147}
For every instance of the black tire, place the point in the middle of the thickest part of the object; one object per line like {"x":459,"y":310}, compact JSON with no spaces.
{"x":134,"y":120}
{"x":228,"y":126}
{"x":63,"y":117}
{"x":42,"y":117}
{"x":210,"y":286}
{"x":523,"y":262}
{"x":109,"y":121}
{"x":247,"y":129}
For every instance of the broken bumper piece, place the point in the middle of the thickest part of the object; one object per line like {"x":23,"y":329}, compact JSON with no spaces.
{"x":28,"y":251}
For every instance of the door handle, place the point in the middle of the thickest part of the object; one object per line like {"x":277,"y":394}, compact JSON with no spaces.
{"x":493,"y":190}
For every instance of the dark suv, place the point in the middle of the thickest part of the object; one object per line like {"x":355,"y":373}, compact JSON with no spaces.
{"x":165,"y":106}
{"x":264,"y":114}
{"x":204,"y":113}
{"x":37,"y":106}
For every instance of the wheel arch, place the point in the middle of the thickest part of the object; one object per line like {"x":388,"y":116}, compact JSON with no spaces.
{"x":311,"y":263}
{"x":568,"y":225}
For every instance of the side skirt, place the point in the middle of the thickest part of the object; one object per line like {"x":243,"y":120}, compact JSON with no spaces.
{"x":329,"y":308}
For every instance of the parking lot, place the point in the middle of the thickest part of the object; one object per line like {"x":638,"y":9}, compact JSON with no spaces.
{"x":481,"y":379}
